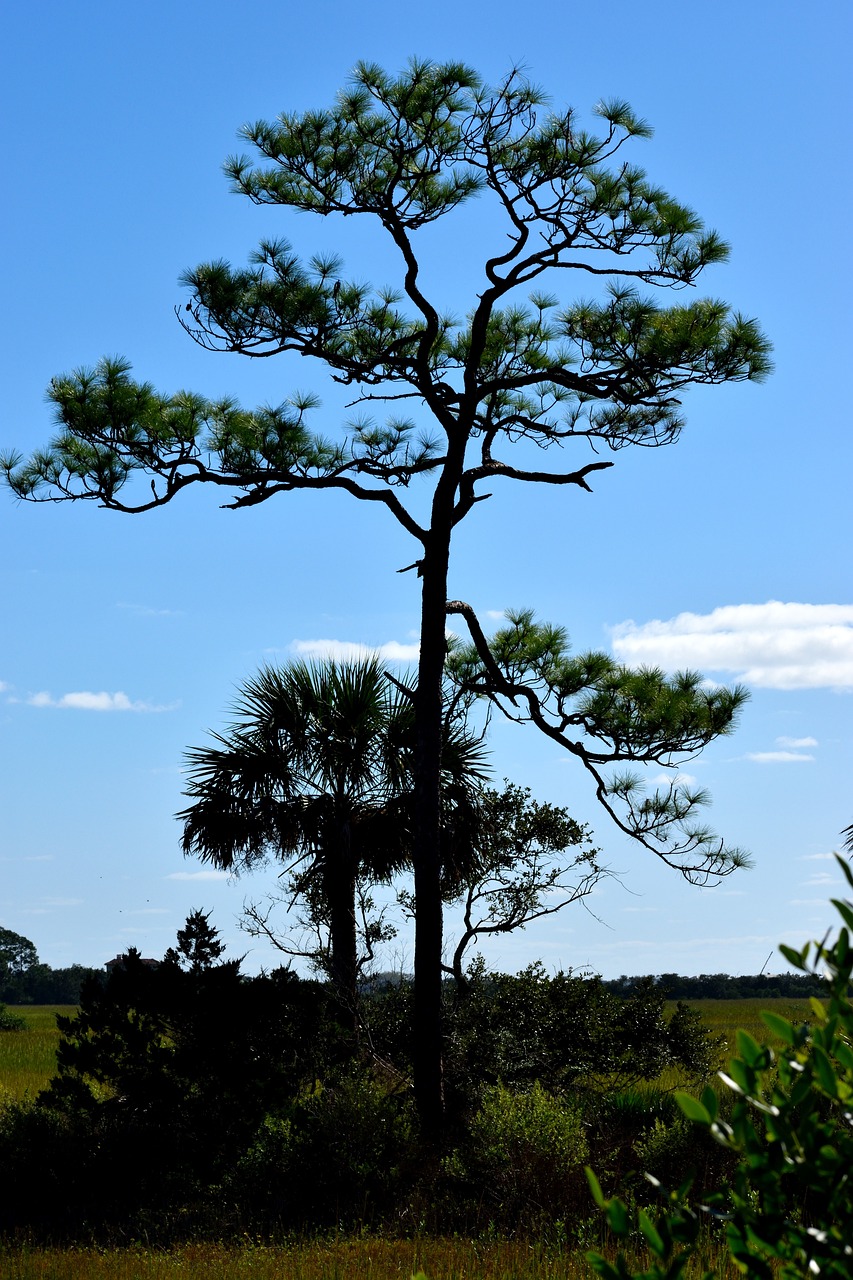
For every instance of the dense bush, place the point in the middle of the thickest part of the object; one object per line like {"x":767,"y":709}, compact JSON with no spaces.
{"x":337,"y":1155}
{"x":164,"y":1077}
{"x":561,"y":1031}
{"x":10,"y":1021}
{"x":190,"y":1099}
{"x":521,"y":1160}
{"x":788,"y":1205}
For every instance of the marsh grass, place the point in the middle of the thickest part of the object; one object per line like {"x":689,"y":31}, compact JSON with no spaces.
{"x":337,"y":1259}
{"x":28,"y":1057}
{"x":726,"y":1017}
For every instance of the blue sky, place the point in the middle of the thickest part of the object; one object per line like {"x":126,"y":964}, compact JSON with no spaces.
{"x":123,"y":639}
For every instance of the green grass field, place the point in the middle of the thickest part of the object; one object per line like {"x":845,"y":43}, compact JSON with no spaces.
{"x":28,"y":1058}
{"x":726,"y":1017}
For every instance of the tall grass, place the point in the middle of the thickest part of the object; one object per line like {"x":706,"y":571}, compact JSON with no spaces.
{"x":28,"y":1057}
{"x":726,"y":1017}
{"x":360,"y":1259}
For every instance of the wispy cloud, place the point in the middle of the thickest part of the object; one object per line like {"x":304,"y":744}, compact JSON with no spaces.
{"x":85,"y":700}
{"x":777,"y":757}
{"x":198,"y":875}
{"x":775,"y":645}
{"x":144,"y":611}
{"x":818,"y":857}
{"x":796,"y":742}
{"x":352,"y":651}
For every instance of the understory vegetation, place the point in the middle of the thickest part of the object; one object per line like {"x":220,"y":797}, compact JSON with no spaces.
{"x":204,"y":1123}
{"x":201,"y":1103}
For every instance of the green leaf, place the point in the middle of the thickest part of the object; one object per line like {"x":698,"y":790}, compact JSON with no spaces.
{"x":710,"y":1102}
{"x":796,"y":958}
{"x":602,"y":1266}
{"x":844,"y":910}
{"x":617,"y":1215}
{"x":844,"y":1053}
{"x":651,"y":1234}
{"x":780,"y":1026}
{"x":743,"y":1074}
{"x":825,"y":1071}
{"x":748,"y":1048}
{"x":595,"y":1188}
{"x":846,"y":869}
{"x":693,"y":1108}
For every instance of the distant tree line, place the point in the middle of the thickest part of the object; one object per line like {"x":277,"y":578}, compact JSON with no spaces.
{"x":722,"y":986}
{"x":25,"y":980}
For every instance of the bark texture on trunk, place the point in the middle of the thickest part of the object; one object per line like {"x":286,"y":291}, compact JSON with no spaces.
{"x":427,"y":1030}
{"x":343,"y":943}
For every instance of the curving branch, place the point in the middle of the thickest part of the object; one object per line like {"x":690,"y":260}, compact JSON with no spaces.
{"x":634,"y":717}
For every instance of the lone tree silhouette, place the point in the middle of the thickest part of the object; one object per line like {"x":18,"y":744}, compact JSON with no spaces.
{"x":521,"y":370}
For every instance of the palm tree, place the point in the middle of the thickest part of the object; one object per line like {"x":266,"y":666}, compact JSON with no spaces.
{"x":317,"y":770}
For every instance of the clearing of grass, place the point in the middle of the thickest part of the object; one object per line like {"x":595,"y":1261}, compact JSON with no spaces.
{"x":28,"y":1057}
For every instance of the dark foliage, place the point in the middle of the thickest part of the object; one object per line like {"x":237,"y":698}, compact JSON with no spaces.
{"x":194,"y":1101}
{"x":563,"y":1032}
{"x":720,"y":986}
{"x":164,"y":1078}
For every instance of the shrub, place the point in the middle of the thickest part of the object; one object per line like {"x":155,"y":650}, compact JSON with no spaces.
{"x":790,"y":1201}
{"x":336,"y":1157}
{"x":522,"y":1156}
{"x":10,"y":1021}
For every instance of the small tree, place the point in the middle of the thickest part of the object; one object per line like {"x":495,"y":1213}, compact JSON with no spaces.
{"x":17,"y":956}
{"x":198,"y":946}
{"x":519,"y":374}
{"x":521,"y":869}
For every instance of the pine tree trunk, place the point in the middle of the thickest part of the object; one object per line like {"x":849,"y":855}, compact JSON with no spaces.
{"x":427,"y":1029}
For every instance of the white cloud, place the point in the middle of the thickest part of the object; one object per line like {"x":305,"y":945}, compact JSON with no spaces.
{"x":4,"y":687}
{"x":674,"y":779}
{"x":198,"y":875}
{"x":773,"y":646}
{"x":796,"y":742}
{"x":85,"y":700}
{"x":352,"y":651}
{"x":818,"y":857}
{"x":776,"y":757}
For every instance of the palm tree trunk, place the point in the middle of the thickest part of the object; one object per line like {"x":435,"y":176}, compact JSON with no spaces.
{"x":343,"y":941}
